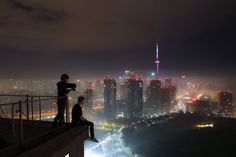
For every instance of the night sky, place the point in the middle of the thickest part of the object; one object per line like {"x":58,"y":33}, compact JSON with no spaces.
{"x":47,"y":37}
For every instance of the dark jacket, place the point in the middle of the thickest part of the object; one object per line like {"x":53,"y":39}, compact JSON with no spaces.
{"x":64,"y":88}
{"x":76,"y":114}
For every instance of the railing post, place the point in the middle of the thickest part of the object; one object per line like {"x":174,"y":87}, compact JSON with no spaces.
{"x":67,"y":111}
{"x":32,"y":108}
{"x":40,"y":112}
{"x":21,"y":123}
{"x":13,"y":123}
{"x":27,"y":106}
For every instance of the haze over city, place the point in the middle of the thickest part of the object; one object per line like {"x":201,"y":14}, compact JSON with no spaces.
{"x":55,"y":36}
{"x":117,"y":78}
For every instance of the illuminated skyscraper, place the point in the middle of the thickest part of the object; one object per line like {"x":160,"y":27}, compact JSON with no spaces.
{"x":110,"y":108}
{"x":135,"y":98}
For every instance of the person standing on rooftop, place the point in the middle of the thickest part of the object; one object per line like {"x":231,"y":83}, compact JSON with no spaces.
{"x":63,"y":88}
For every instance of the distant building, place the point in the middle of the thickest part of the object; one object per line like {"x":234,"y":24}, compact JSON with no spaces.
{"x":168,"y":95}
{"x":134,"y":97}
{"x":123,"y":91}
{"x":80,"y":89}
{"x":153,"y":95}
{"x":200,"y":106}
{"x":88,"y":84}
{"x":110,"y":109}
{"x":205,"y":97}
{"x":161,"y":97}
{"x":226,"y":102}
{"x":88,"y":100}
{"x":168,"y":82}
{"x":98,"y":89}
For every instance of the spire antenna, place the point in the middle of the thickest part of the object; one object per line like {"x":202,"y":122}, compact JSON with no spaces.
{"x":157,"y":62}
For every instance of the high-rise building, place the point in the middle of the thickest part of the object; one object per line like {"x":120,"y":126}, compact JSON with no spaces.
{"x":134,"y":98}
{"x":88,"y":84}
{"x":110,"y":108}
{"x":122,"y":91}
{"x":226,"y":101}
{"x":200,"y":106}
{"x":160,"y":96}
{"x":98,"y":89}
{"x":154,"y":89}
{"x":80,"y":89}
{"x":168,"y":82}
{"x":153,"y":98}
{"x":122,"y":98}
{"x":168,"y":95}
{"x":88,"y":100}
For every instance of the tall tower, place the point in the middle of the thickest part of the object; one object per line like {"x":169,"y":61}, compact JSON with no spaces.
{"x":135,"y":97}
{"x":157,"y":62}
{"x":154,"y":97}
{"x":110,"y":108}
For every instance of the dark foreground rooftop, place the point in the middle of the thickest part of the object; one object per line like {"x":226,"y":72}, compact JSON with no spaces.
{"x":39,"y":139}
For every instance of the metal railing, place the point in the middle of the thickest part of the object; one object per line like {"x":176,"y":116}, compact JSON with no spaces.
{"x":25,"y":110}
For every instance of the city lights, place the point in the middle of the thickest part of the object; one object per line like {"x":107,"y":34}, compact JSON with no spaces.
{"x":117,"y":78}
{"x":210,"y":125}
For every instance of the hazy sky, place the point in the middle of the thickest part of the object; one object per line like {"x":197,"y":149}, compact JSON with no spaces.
{"x":43,"y":37}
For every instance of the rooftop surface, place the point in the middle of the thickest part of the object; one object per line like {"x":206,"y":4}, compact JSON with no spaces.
{"x":36,"y":134}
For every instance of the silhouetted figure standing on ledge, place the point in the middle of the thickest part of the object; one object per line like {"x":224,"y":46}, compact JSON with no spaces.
{"x":63,"y":88}
{"x":78,"y":119}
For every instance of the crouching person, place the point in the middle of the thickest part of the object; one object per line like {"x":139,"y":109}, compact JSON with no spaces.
{"x":79,"y":120}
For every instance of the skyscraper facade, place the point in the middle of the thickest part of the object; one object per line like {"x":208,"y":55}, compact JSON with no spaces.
{"x":88,"y":100}
{"x":153,"y":98}
{"x":168,"y":95}
{"x":134,"y":98}
{"x":110,"y":108}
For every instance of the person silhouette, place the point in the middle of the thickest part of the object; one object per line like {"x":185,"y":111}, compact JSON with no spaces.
{"x":63,"y":88}
{"x":78,"y":119}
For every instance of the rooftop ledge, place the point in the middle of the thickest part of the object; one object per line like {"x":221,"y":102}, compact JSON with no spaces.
{"x":60,"y":142}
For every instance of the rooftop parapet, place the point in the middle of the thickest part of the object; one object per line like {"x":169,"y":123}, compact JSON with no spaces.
{"x":26,"y":126}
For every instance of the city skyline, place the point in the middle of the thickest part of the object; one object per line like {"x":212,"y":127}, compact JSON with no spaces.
{"x":117,"y":78}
